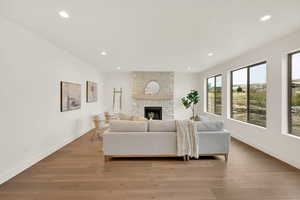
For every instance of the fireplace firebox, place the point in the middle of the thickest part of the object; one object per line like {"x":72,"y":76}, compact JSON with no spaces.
{"x":156,"y":110}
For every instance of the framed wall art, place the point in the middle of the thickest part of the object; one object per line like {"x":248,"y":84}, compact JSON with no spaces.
{"x":91,"y":92}
{"x":70,"y":96}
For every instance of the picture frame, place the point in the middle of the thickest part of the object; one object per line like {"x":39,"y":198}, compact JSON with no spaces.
{"x":91,"y":92}
{"x":70,"y":96}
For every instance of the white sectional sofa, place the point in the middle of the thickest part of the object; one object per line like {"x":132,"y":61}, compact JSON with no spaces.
{"x":156,"y":138}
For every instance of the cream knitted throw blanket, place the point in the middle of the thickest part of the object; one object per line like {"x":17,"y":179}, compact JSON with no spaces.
{"x":187,"y":138}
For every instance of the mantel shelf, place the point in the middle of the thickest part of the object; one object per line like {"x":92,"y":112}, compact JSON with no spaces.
{"x":148,"y":97}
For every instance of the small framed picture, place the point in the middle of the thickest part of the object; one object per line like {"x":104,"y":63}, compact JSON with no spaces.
{"x":91,"y":92}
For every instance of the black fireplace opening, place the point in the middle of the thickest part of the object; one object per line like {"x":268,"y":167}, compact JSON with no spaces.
{"x":157,"y":113}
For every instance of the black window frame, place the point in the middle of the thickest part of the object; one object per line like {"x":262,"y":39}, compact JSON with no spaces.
{"x":248,"y":92}
{"x":290,"y":93}
{"x":215,"y":105}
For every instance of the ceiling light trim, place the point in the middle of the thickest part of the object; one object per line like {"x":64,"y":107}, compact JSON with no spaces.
{"x":265,"y":18}
{"x":64,"y":14}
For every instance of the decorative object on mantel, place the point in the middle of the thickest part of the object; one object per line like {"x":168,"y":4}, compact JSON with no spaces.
{"x":153,"y":85}
{"x":152,"y":88}
{"x":91,"y":92}
{"x":191,"y":99}
{"x":70,"y":96}
{"x":117,"y":106}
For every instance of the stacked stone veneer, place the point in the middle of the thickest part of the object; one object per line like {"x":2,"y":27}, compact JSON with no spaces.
{"x":164,"y":99}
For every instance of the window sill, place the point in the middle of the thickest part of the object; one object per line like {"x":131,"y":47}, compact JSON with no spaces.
{"x":248,"y":124}
{"x":291,"y":136}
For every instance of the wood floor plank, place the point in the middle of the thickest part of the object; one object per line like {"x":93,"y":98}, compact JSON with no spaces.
{"x":78,"y":171}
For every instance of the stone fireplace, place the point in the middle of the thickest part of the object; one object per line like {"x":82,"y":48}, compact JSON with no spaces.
{"x":163,"y":99}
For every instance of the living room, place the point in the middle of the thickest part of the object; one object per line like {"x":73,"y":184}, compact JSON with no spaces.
{"x":63,"y":63}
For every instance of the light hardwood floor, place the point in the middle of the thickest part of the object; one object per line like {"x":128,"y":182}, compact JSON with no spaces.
{"x":78,"y":172}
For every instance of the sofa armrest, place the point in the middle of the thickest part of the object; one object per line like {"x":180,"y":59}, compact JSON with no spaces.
{"x":214,"y":142}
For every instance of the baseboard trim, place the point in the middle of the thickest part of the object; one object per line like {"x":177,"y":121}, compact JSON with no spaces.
{"x":292,"y":163}
{"x":25,"y":164}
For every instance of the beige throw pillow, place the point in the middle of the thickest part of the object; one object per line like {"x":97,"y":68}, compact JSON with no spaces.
{"x":123,"y":116}
{"x":138,"y":118}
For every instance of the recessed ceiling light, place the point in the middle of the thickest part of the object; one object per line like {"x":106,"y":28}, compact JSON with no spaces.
{"x":103,"y":53}
{"x":189,"y":68}
{"x":265,"y":18}
{"x":118,"y":68}
{"x":210,"y":54}
{"x":64,"y":14}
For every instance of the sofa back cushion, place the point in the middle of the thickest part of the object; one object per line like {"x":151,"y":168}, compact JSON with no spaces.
{"x":162,"y":126}
{"x":128,"y":126}
{"x":210,"y":125}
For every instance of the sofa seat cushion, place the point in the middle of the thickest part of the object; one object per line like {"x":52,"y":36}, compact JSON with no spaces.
{"x":162,"y":126}
{"x":128,"y":126}
{"x":211,"y":125}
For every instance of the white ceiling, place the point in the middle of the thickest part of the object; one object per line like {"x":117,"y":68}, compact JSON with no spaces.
{"x":156,"y":35}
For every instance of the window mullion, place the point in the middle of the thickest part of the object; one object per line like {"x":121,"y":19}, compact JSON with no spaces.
{"x":207,"y":95}
{"x":231,"y":94}
{"x":215,"y":93}
{"x":290,"y":82}
{"x":248,"y":94}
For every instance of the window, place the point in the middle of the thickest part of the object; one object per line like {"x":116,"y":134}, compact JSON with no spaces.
{"x":214,"y":95}
{"x":294,"y":94}
{"x":248,"y":94}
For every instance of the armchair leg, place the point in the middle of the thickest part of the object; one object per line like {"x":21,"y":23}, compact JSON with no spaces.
{"x":93,"y":135}
{"x":226,"y":157}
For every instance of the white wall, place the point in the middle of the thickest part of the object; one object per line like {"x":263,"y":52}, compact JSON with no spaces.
{"x":118,"y":80}
{"x":273,"y":139}
{"x":32,"y":125}
{"x":183,"y":83}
